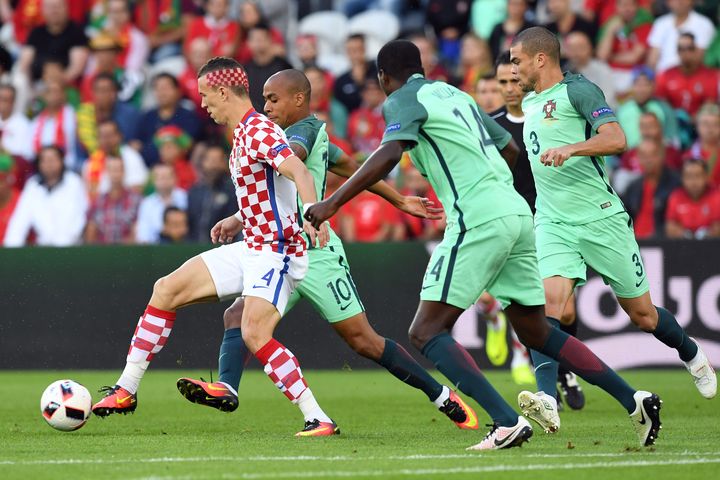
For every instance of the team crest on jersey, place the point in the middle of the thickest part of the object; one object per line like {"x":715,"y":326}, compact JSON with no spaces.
{"x":548,"y":109}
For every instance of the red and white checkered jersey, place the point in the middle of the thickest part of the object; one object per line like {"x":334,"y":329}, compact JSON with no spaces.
{"x":267,"y":200}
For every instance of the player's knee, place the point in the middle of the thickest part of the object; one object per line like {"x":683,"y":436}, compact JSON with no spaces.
{"x":645,"y":319}
{"x":418,"y":336}
{"x":166,"y":293}
{"x":232,"y":318}
{"x":368,"y":346}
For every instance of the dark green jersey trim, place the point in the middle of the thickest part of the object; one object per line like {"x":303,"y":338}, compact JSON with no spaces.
{"x":588,"y":135}
{"x":461,"y":223}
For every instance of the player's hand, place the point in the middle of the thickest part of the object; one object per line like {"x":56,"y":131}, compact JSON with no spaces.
{"x":421,"y":207}
{"x":556,"y":156}
{"x":318,"y":212}
{"x":225,"y":230}
{"x":318,"y":237}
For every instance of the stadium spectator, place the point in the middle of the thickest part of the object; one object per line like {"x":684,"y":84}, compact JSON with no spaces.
{"x":307,"y":50}
{"x":175,"y":226}
{"x":707,"y":145}
{"x":690,"y":84}
{"x":134,"y":44}
{"x":112,"y":216}
{"x":646,"y":198}
{"x":414,"y":228}
{"x":475,"y":62}
{"x":58,"y":39}
{"x":110,"y":144}
{"x":173,"y":144}
{"x":56,"y":125}
{"x":213,"y":197}
{"x":369,"y":218}
{"x":366,"y":125}
{"x":623,"y":42}
{"x":216,"y":27}
{"x":579,"y":52}
{"x":487,"y":93}
{"x":52,"y":204}
{"x":167,"y":194}
{"x":164,"y":22}
{"x":504,"y":32}
{"x":666,"y":30}
{"x":347,"y":86}
{"x":105,"y":60}
{"x":166,"y":89}
{"x":24,"y":15}
{"x":449,"y":19}
{"x":629,"y":169}
{"x":105,"y":106}
{"x":9,"y":194}
{"x":565,"y":21}
{"x":642,"y":99}
{"x":53,"y":71}
{"x":601,"y":11}
{"x":693,"y":210}
{"x":198,"y":53}
{"x":14,"y":126}
{"x":434,"y":70}
{"x":251,"y":15}
{"x":323,"y":103}
{"x":263,"y":63}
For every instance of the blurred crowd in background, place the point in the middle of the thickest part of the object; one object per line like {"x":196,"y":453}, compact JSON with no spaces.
{"x":103,"y":139}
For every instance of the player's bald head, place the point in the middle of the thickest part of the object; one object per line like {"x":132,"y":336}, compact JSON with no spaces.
{"x":291,"y":81}
{"x":536,"y":40}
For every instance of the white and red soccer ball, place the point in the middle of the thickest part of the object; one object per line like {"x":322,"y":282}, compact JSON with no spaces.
{"x":65,"y":405}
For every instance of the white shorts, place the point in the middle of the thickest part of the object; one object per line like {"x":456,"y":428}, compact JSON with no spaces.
{"x":238,"y":270}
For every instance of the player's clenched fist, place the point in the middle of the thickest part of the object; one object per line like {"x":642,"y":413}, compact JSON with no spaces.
{"x":556,"y":156}
{"x":318,"y":212}
{"x":225,"y":230}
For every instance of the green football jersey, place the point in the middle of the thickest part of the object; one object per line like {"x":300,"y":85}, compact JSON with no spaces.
{"x":569,"y":112}
{"x":455,"y":145}
{"x":309,"y":133}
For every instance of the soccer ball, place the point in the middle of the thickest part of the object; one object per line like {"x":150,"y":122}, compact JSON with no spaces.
{"x":65,"y":405}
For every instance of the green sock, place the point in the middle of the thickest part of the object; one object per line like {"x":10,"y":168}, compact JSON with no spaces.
{"x":669,"y":332}
{"x":233,"y":357}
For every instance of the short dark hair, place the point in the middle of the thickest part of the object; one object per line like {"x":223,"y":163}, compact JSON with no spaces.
{"x":109,"y":121}
{"x":355,"y":36}
{"x":696,"y":161}
{"x":689,"y":35}
{"x":536,"y":40}
{"x":261,"y":25}
{"x":223,"y":63}
{"x":399,"y":59}
{"x":11,"y":88}
{"x":167,"y":76}
{"x":502,"y":59}
{"x":106,"y":76}
{"x":171,"y":209}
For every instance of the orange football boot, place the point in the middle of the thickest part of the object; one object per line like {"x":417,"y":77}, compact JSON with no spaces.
{"x":216,"y":395}
{"x":316,"y":428}
{"x":460,"y":412}
{"x":116,"y":400}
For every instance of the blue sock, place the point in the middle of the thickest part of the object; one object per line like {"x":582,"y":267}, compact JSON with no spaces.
{"x":546,"y":368}
{"x":400,"y":363}
{"x":456,"y":364}
{"x":233,"y":357}
{"x":669,"y":332}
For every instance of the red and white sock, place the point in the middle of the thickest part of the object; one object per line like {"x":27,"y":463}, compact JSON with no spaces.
{"x":283,"y":369}
{"x":151,"y":333}
{"x":520,"y":356}
{"x":489,"y":312}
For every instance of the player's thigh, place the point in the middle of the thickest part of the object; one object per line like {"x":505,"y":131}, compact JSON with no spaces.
{"x":610,"y":248}
{"x":558,"y":252}
{"x":328,"y":285}
{"x":271,"y":276}
{"x":465,"y":263}
{"x":225,"y":267}
{"x":518,"y":281}
{"x":188,"y":284}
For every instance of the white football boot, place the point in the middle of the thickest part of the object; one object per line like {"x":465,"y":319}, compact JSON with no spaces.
{"x":542,"y":408}
{"x":505,"y":437}
{"x":703,"y":373}
{"x":646,"y":417}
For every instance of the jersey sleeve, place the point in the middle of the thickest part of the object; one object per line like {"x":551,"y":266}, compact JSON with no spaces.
{"x":268,"y":145}
{"x":302,"y":135}
{"x":404,"y":116}
{"x":498,"y":134}
{"x":334,"y":154}
{"x":589,"y":101}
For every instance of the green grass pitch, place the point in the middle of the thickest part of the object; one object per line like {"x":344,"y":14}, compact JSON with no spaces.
{"x":388,"y":431}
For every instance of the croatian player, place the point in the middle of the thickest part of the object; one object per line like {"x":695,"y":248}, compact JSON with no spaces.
{"x":488,"y":243}
{"x":580,"y":220}
{"x":328,"y":286}
{"x":265,"y":268}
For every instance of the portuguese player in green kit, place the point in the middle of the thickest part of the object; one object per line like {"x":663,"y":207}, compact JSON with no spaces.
{"x":579,"y":218}
{"x":488,"y":243}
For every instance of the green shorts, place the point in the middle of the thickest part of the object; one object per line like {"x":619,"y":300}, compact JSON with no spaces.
{"x":497,"y":256}
{"x":607,"y":245}
{"x":328,"y":285}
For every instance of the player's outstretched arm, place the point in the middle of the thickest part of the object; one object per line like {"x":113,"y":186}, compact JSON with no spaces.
{"x":375,"y":168}
{"x":610,"y":140}
{"x":420,"y":207}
